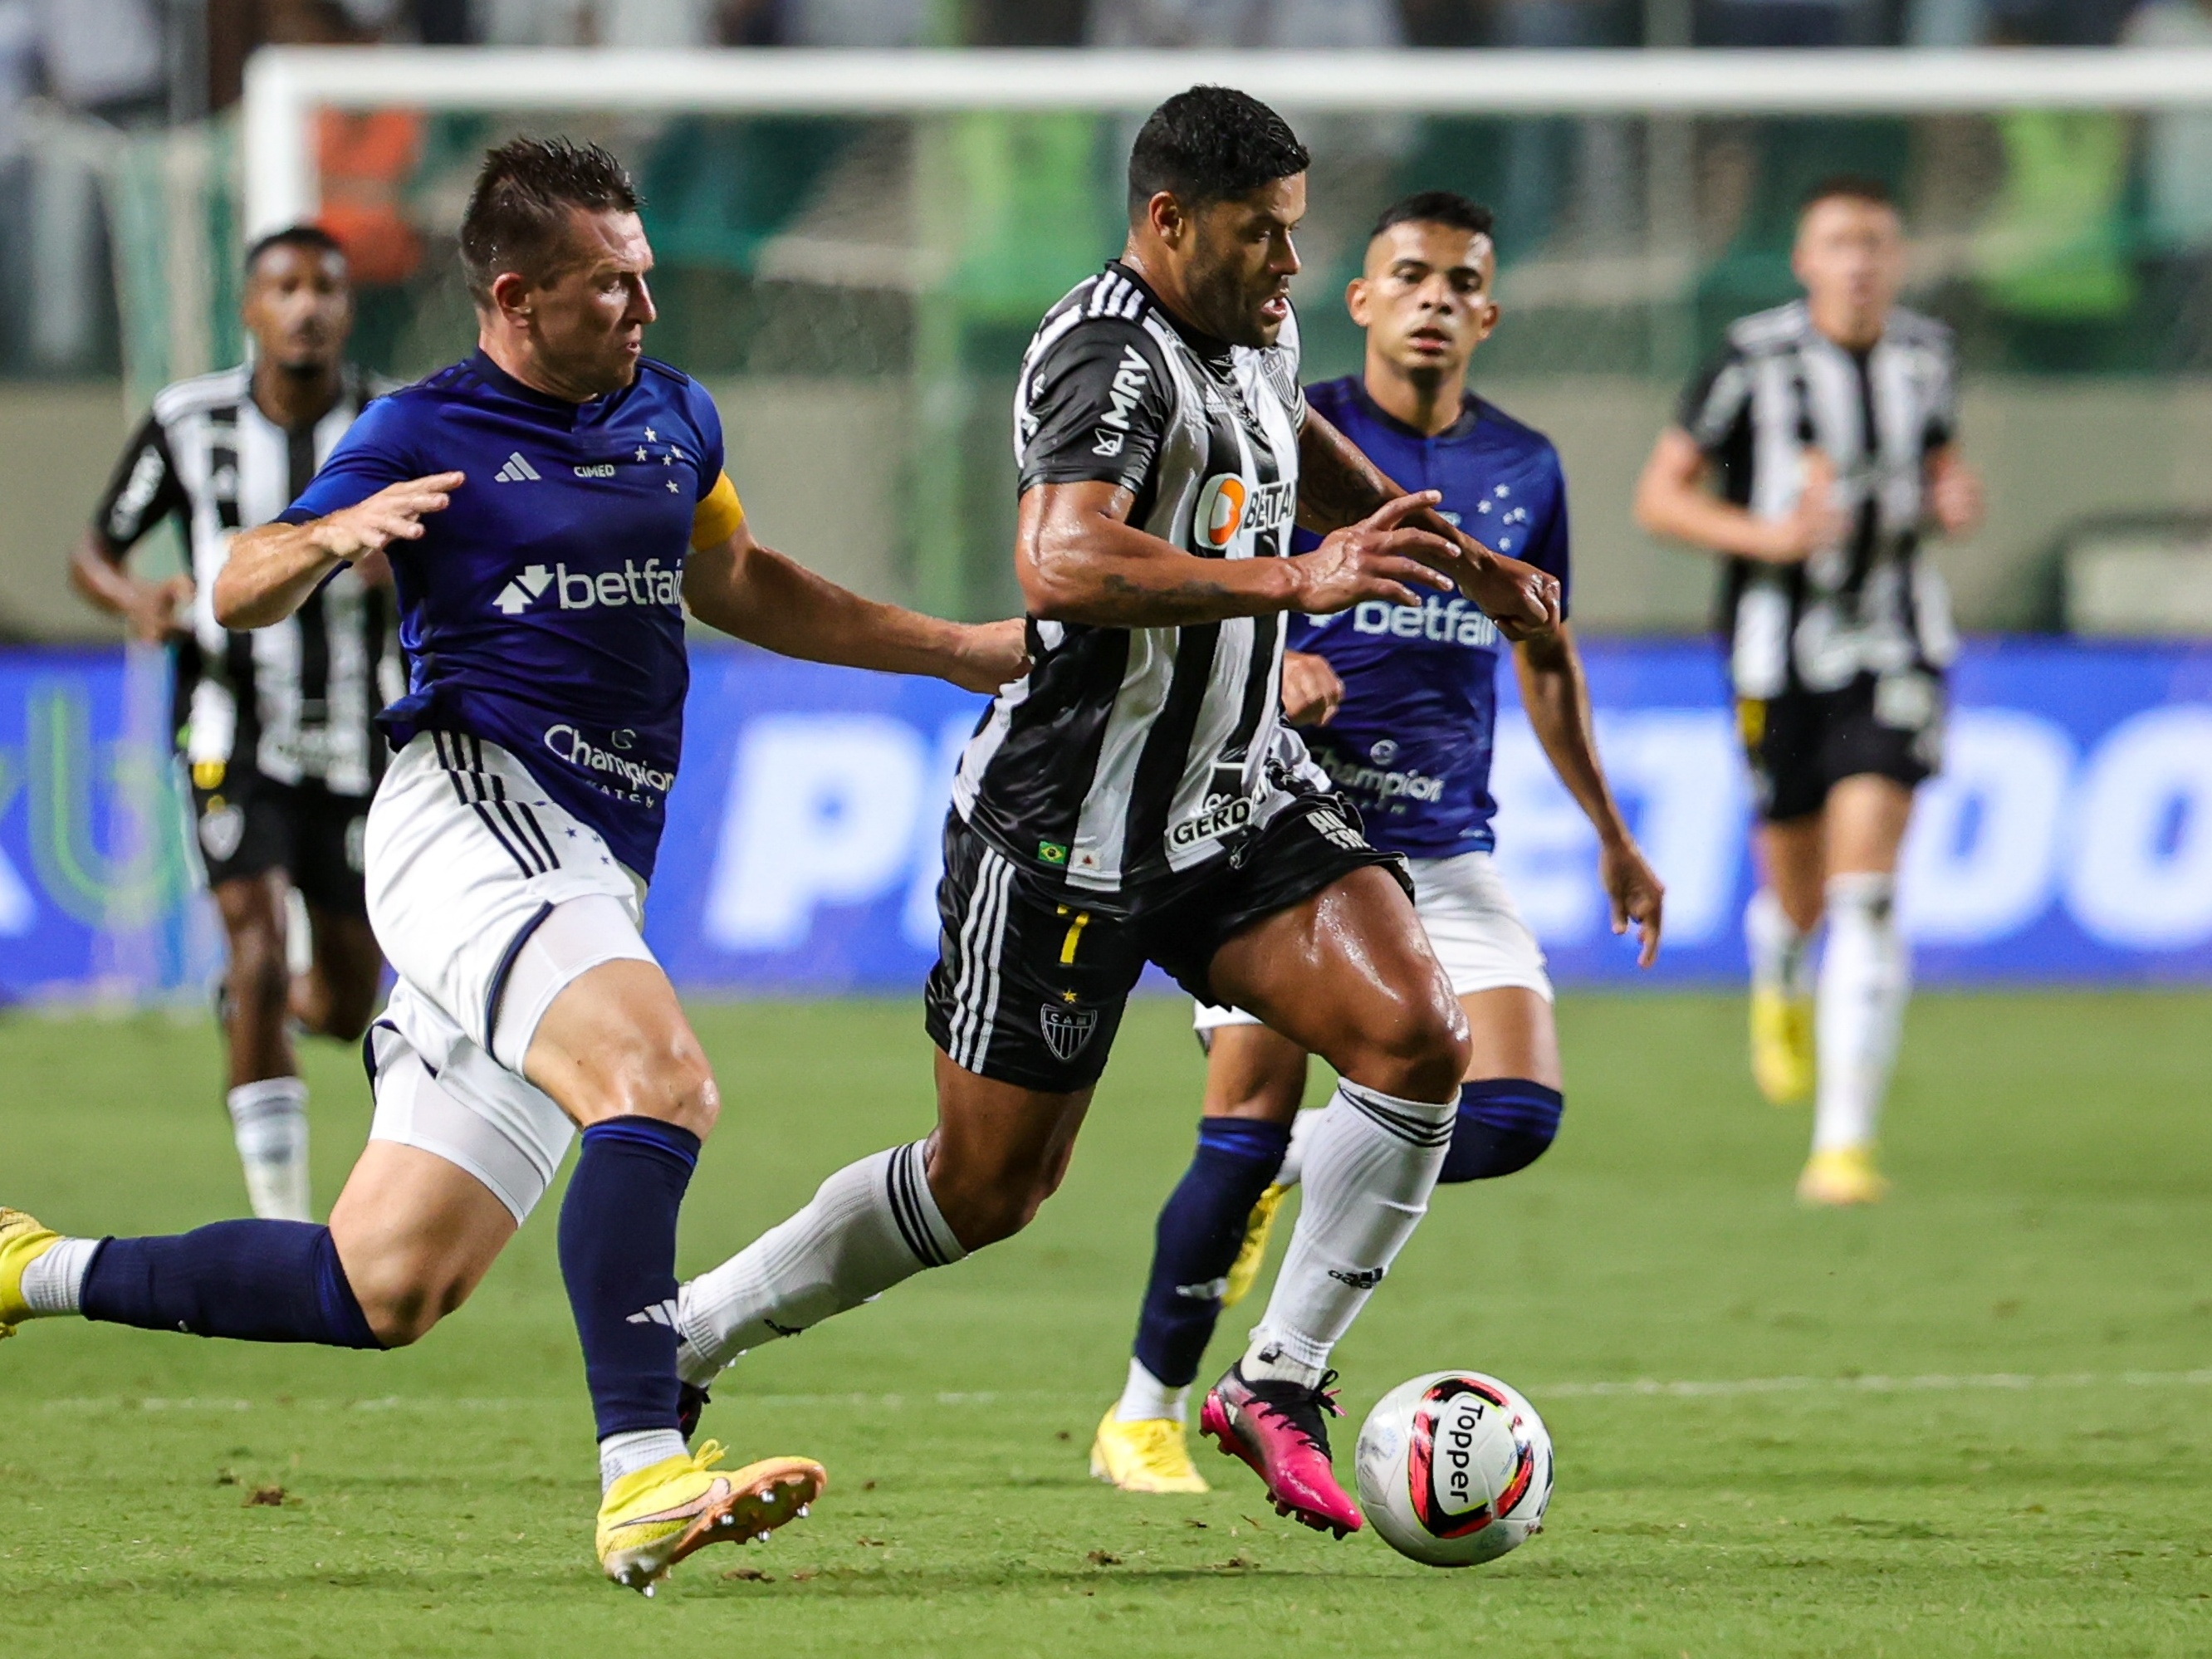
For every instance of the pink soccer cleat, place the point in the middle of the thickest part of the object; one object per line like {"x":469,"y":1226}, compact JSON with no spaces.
{"x":1281,"y":1428}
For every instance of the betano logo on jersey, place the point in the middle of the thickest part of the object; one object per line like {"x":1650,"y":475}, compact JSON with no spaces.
{"x":1452,"y":623}
{"x":1227,"y":504}
{"x":580,"y":590}
{"x":1129,"y":377}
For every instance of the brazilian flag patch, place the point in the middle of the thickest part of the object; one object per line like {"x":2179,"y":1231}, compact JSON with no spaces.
{"x":1052,"y":852}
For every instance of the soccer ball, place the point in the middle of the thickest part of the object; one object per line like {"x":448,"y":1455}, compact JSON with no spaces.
{"x":1454,"y":1468}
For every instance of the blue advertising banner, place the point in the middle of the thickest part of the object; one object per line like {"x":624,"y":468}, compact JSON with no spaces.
{"x":2068,"y":838}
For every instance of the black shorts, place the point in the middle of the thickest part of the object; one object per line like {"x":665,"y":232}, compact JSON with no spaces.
{"x":1029,"y":985}
{"x":248,"y":824}
{"x":1801,"y":743}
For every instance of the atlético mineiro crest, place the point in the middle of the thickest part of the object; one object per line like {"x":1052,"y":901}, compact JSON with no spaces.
{"x":1066,"y":1029}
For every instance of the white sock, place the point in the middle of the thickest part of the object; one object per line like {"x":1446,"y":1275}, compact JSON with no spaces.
{"x":1294,"y":1156}
{"x":640,"y":1449}
{"x":1865,"y":976}
{"x":1779,"y":958}
{"x":1371,"y":1160}
{"x":1144,"y":1396}
{"x":269,"y":1121}
{"x":54,"y":1283}
{"x":870,"y":1225}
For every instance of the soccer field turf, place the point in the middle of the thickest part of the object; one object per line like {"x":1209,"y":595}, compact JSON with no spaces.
{"x":1975,"y":1420}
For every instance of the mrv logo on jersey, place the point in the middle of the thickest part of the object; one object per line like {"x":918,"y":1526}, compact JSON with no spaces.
{"x":581,"y":590}
{"x":1129,"y":377}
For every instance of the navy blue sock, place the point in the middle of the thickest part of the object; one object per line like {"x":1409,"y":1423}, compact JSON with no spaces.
{"x":618,"y":1259}
{"x":258,"y":1281}
{"x":1504,"y":1124}
{"x":1201,"y":1229}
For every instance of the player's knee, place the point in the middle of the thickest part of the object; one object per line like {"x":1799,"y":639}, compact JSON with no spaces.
{"x":402,"y":1295}
{"x":670,"y":1081}
{"x":1415,"y":1047}
{"x":260,"y":974}
{"x":1505,"y":1125}
{"x":984,"y":1205}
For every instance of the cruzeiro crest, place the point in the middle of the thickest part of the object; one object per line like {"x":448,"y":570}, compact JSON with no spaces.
{"x":1067,"y":1029}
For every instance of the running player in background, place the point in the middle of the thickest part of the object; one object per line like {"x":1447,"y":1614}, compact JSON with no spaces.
{"x":1135,"y":798}
{"x":1400,"y":704}
{"x":1812,"y":456}
{"x":552,"y":506}
{"x":275,"y":728}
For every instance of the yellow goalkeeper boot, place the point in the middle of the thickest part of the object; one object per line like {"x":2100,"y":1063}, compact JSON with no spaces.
{"x":23,"y":1240}
{"x":1252,"y":1254}
{"x":1841,"y":1176}
{"x":1781,"y":1045}
{"x":651,"y":1519}
{"x":1149,"y":1455}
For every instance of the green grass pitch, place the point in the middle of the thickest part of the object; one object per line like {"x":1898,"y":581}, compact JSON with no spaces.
{"x":1975,"y":1420}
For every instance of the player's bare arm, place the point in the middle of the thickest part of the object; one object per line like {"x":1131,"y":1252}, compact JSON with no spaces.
{"x":271,"y":570}
{"x":1555,"y":691}
{"x":151,"y":611}
{"x":756,"y":594}
{"x":1673,"y":500}
{"x":1338,"y":485}
{"x":1080,"y":559}
{"x":1312,"y":692}
{"x":1954,"y":492}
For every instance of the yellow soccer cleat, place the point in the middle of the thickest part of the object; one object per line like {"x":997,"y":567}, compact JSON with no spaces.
{"x":23,"y":1240}
{"x":1252,"y":1255}
{"x":1149,"y":1455}
{"x":1840,"y":1176}
{"x":1781,"y":1046}
{"x":653,"y":1519}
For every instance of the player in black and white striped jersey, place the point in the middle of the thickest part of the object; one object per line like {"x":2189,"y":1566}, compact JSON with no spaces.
{"x":1135,"y":798}
{"x":274,"y":726}
{"x":1813,"y":455}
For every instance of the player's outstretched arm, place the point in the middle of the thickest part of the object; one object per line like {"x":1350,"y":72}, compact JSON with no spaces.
{"x":755,"y":594}
{"x":1672,"y":500}
{"x":1556,"y":694}
{"x":1080,"y":559}
{"x":1337,"y":484}
{"x":271,"y":571}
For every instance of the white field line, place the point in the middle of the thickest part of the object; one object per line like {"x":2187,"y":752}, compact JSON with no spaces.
{"x":1641,"y":1388}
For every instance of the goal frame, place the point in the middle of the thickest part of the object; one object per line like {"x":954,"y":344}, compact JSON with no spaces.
{"x":286,"y":85}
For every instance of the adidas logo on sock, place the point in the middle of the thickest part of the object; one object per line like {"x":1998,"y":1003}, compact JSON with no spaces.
{"x":517,"y":470}
{"x":658,"y":1313}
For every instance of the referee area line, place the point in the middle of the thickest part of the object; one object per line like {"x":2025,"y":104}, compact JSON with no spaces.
{"x":1639,"y":1389}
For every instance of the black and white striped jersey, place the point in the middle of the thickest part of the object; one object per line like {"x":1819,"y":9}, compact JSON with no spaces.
{"x":1128,"y":754}
{"x":1871,"y":603}
{"x":296,"y":700}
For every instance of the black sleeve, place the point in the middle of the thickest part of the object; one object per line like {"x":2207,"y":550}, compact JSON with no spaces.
{"x":1717,"y":402}
{"x":144,"y":491}
{"x":1096,"y":407}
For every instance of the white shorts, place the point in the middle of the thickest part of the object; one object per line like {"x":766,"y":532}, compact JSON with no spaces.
{"x":489,"y":900}
{"x":1473,"y":925}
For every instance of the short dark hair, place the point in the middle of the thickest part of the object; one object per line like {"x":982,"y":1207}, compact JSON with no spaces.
{"x":1847,"y":187}
{"x":1437,"y":207}
{"x":311,"y":238}
{"x":517,"y":216}
{"x":1209,"y":144}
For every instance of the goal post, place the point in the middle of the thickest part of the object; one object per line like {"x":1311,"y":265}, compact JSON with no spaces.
{"x":853,"y":246}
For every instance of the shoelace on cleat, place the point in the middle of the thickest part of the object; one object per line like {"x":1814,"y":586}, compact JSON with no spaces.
{"x":709,"y":1454}
{"x":1303,"y":1409}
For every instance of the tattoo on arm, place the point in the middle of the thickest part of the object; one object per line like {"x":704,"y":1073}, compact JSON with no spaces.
{"x":1337,"y":484}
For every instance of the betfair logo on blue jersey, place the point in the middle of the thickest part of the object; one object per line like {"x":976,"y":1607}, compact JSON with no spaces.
{"x":1452,"y":623}
{"x":582,"y":590}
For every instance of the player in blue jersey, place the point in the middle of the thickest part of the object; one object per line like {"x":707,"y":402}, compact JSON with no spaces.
{"x":1398,"y":704}
{"x":551,"y":507}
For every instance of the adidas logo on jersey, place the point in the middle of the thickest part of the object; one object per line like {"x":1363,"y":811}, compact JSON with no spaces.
{"x":517,"y":470}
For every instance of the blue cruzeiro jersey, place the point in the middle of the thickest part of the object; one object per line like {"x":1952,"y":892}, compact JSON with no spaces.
{"x":542,"y":610}
{"x":1411,"y":744}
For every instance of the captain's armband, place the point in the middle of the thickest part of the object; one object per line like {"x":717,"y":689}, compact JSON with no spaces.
{"x":716,"y":519}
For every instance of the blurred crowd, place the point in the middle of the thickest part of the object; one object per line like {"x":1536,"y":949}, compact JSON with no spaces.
{"x":2092,"y":217}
